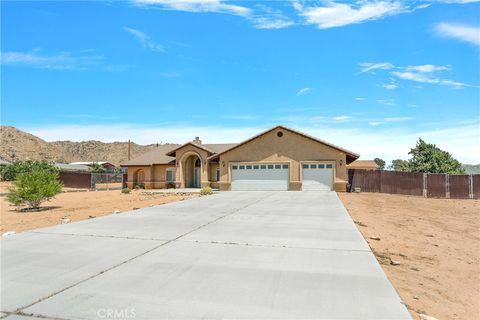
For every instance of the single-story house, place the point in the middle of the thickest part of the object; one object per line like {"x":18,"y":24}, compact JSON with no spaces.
{"x":363,"y":165}
{"x":277,"y":159}
{"x":107,"y":165}
{"x":71,"y":167}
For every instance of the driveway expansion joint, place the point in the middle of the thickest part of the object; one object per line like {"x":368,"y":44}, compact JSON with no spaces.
{"x":19,"y":310}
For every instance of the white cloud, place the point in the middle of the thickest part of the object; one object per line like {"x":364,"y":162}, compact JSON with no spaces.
{"x":397,"y":119}
{"x":377,"y":141}
{"x":197,"y":6}
{"x":427,"y":78}
{"x":272,"y":23}
{"x":60,"y":61}
{"x":427,"y":68}
{"x":342,"y":118}
{"x":368,"y":66}
{"x":304,"y":91}
{"x":386,"y":102}
{"x":144,"y":40}
{"x":336,"y":14}
{"x":390,"y":86}
{"x":461,"y":32}
{"x":360,"y":99}
{"x":426,"y":73}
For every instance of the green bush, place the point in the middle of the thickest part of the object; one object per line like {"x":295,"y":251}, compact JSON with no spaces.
{"x":139,"y":186}
{"x":10,"y":172}
{"x":126,"y":190}
{"x":33,"y":188}
{"x":206,"y":191}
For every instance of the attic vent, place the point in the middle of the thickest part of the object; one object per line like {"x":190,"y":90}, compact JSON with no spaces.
{"x":279,"y":134}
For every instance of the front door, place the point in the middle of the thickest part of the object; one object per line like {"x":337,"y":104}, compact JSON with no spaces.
{"x":196,"y":177}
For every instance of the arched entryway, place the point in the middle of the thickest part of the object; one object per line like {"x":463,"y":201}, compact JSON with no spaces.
{"x":140,"y":178}
{"x":192,"y":167}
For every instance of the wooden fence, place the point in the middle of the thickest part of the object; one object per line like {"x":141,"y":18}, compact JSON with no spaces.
{"x":432,"y":185}
{"x":89,"y":180}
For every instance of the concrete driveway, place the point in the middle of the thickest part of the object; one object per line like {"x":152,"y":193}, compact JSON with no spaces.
{"x":256,"y":255}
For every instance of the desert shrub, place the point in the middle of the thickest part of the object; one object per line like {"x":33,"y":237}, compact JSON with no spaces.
{"x":170,"y":185}
{"x":97,"y":168}
{"x":126,"y":190}
{"x":33,"y":188}
{"x":206,"y":191}
{"x":139,"y":186}
{"x":10,"y":172}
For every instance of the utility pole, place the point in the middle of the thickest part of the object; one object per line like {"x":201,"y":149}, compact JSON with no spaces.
{"x":129,"y":149}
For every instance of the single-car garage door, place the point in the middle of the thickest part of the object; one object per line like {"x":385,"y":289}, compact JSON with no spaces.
{"x":259,"y":177}
{"x":317,"y":176}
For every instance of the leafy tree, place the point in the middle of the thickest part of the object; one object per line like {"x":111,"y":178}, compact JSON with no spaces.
{"x":10,"y":172}
{"x":33,"y":188}
{"x":97,"y":168}
{"x":398,"y":165}
{"x":380,"y":163}
{"x":427,"y":157}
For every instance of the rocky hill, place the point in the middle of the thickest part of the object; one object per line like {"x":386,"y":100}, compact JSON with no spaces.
{"x":19,"y":145}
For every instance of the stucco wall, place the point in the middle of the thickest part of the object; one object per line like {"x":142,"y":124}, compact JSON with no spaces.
{"x":291,"y":148}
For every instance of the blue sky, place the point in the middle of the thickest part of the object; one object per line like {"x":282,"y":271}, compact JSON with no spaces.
{"x":371,"y":76}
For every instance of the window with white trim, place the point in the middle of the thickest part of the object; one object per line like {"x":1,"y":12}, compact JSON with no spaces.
{"x":170,"y":175}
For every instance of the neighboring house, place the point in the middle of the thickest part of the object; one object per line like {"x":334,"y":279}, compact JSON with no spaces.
{"x":363,"y":165}
{"x":107,"y":165}
{"x":277,"y":159}
{"x":72,"y":167}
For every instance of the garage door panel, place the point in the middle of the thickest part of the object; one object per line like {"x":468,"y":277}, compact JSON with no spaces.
{"x":317,"y":177}
{"x":260,"y":177}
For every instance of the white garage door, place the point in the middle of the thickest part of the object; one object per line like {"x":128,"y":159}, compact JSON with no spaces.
{"x":260,"y":177}
{"x":317,"y":176}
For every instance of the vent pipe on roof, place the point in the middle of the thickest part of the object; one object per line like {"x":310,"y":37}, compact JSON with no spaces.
{"x":197,"y":140}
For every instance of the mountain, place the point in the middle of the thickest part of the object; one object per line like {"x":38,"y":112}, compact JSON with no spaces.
{"x":471,"y":168}
{"x":19,"y":145}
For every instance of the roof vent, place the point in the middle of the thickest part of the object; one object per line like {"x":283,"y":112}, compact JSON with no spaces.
{"x":197,"y":140}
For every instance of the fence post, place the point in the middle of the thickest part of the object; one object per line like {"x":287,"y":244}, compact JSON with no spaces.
{"x":425,"y":194}
{"x":470,"y":186}
{"x":447,"y":185}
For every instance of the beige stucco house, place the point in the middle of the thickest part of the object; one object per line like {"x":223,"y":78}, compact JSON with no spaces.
{"x":277,"y":159}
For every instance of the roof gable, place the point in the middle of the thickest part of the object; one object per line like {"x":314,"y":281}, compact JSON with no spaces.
{"x":351,"y":156}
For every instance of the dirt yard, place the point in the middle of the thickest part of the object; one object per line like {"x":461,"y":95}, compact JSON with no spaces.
{"x":77,"y":206}
{"x":436,"y":243}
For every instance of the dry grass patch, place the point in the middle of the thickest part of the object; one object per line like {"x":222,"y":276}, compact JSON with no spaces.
{"x":434,"y":245}
{"x":75,"y":206}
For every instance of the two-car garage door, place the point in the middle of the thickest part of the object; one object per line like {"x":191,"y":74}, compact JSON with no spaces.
{"x":260,"y":176}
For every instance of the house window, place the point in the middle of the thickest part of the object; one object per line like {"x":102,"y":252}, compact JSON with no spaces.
{"x":321,"y":166}
{"x":234,"y":167}
{"x":249,"y":167}
{"x":313,"y":166}
{"x":255,"y":167}
{"x":242,"y":167}
{"x":305,"y":166}
{"x":285,"y":166}
{"x":217,"y":174}
{"x":170,"y":175}
{"x":278,"y":166}
{"x":329,"y":166}
{"x":270,"y":166}
{"x":263,"y":166}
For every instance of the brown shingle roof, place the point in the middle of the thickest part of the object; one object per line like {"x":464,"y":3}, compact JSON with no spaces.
{"x":358,"y":164}
{"x":156,"y":156}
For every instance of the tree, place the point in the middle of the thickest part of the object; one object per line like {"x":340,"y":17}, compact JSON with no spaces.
{"x":33,"y":188}
{"x":427,"y":157}
{"x":380,"y":163}
{"x":97,"y":168}
{"x":10,"y":172}
{"x":398,"y":165}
